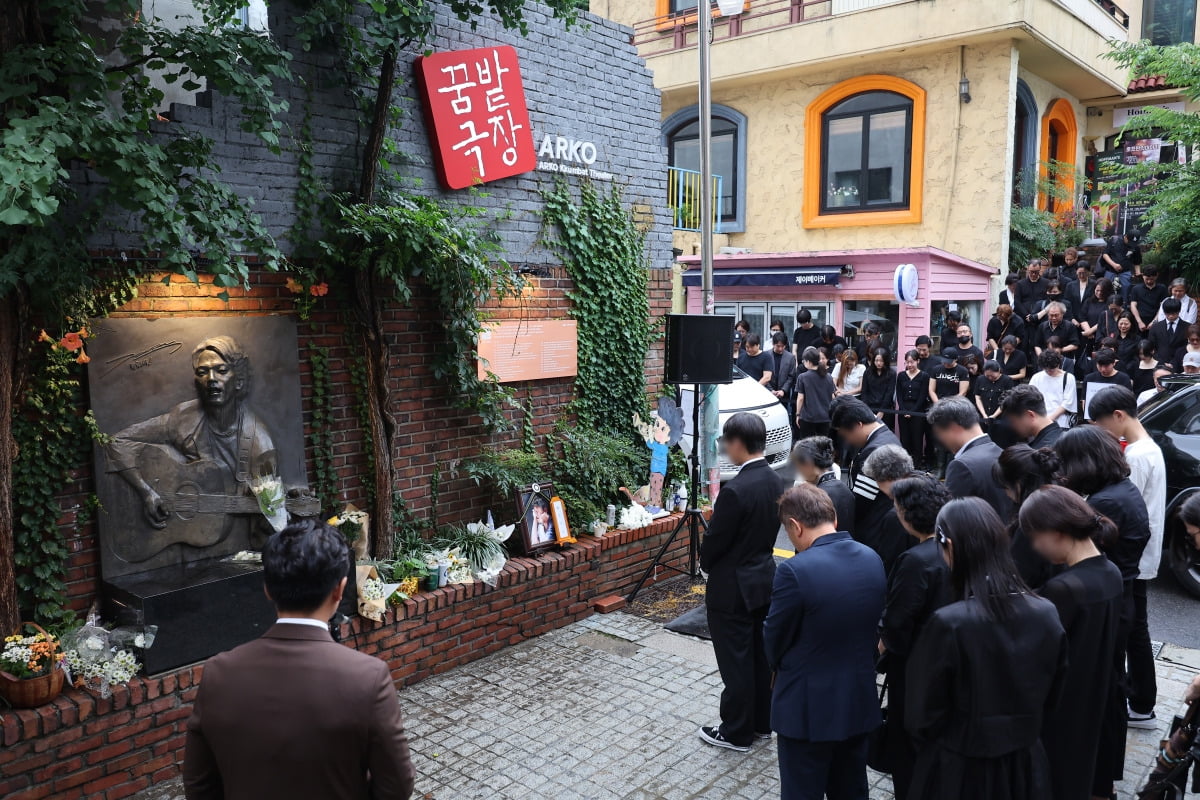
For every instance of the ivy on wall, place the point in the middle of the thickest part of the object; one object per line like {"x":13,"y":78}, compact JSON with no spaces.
{"x":603,"y":251}
{"x":324,"y":472}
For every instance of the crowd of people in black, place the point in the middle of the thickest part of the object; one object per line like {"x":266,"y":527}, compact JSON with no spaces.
{"x":962,"y":528}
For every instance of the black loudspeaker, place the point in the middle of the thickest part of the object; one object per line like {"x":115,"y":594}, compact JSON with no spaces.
{"x":699,"y":348}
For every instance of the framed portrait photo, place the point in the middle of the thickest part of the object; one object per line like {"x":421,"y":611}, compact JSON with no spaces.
{"x":537,"y":521}
{"x":558,"y":515}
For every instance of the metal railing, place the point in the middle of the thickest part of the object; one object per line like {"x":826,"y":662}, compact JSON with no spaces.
{"x":683,"y":197}
{"x":673,"y":32}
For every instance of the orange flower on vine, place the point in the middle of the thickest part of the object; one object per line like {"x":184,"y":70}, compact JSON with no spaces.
{"x":71,"y":341}
{"x":319,"y":289}
{"x":294,"y":286}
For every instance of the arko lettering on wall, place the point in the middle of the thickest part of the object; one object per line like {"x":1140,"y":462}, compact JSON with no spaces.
{"x":568,"y":156}
{"x":477,"y":117}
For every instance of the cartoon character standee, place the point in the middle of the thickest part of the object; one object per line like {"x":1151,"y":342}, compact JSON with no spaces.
{"x":660,"y":434}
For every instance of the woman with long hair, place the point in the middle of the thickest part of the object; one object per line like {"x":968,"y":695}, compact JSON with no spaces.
{"x":1097,"y":319}
{"x":1011,"y":359}
{"x":1094,"y":467}
{"x":985,"y":672}
{"x":814,"y":395}
{"x":848,"y":375}
{"x":1021,"y":471}
{"x":879,"y":386}
{"x":918,"y":585}
{"x":1126,"y":343}
{"x":912,"y":400}
{"x":1087,"y":593}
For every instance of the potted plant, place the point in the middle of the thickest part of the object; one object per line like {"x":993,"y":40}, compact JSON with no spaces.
{"x":31,"y":668}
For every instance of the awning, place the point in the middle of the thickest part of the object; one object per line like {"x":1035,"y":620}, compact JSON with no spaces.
{"x":769,"y":276}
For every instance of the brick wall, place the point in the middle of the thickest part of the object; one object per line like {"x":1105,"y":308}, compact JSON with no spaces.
{"x":431,"y":435}
{"x":81,"y":746}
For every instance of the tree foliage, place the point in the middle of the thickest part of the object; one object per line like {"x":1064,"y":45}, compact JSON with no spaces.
{"x":1173,"y":191}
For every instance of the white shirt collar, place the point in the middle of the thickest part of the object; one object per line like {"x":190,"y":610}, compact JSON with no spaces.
{"x":316,"y":623}
{"x":968,"y":444}
{"x":751,"y":461}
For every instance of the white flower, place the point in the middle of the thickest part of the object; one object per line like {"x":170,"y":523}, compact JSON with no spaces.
{"x":372,"y":589}
{"x":93,"y":643}
{"x":634,"y":516}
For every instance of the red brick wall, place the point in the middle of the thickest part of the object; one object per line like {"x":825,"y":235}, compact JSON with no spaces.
{"x":431,"y":434}
{"x":102,"y":749}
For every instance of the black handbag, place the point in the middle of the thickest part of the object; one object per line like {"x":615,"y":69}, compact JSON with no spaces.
{"x":879,"y":750}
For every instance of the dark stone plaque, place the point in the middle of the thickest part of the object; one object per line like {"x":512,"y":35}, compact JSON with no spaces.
{"x":197,"y":407}
{"x":201,"y":609}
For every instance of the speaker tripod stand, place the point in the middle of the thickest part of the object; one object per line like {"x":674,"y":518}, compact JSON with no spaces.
{"x":693,"y":518}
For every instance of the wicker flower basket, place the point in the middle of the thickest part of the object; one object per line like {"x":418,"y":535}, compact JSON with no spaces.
{"x":31,"y":692}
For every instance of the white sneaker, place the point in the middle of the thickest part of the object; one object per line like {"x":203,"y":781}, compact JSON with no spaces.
{"x":1145,"y":722}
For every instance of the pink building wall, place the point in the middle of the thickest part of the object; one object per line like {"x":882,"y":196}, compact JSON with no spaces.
{"x":942,"y":277}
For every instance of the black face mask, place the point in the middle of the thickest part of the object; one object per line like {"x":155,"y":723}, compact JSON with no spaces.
{"x":964,"y":340}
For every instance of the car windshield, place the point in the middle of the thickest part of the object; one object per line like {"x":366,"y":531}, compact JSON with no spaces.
{"x":1171,"y":387}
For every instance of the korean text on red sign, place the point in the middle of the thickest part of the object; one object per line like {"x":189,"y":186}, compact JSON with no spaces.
{"x":477,"y":117}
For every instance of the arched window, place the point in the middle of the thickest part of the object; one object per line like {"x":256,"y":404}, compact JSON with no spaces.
{"x":681,"y":133}
{"x":864,"y":153}
{"x":1024,"y":164}
{"x":1060,"y":135}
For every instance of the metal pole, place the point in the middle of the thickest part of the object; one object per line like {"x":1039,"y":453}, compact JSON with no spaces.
{"x":710,"y":418}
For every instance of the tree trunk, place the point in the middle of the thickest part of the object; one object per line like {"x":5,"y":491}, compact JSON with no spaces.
{"x":370,"y":325}
{"x":9,"y":335}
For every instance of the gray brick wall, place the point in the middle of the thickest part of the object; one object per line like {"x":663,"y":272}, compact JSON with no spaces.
{"x":585,"y":83}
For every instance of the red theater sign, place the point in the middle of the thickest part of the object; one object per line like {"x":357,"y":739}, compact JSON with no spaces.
{"x":475,"y":109}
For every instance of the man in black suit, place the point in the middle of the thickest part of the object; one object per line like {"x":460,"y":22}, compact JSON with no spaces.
{"x":738,"y":553}
{"x":1056,"y":326}
{"x":955,"y":422}
{"x":1169,"y":335}
{"x":820,"y":642}
{"x":858,"y":427}
{"x":783,"y":372}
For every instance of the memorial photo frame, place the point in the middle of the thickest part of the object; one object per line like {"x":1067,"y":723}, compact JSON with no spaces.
{"x":534,"y":510}
{"x":558,"y":516}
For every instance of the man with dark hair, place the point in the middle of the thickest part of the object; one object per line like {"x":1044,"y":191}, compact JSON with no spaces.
{"x":1106,"y":374}
{"x":783,"y":370}
{"x":926,"y":362}
{"x":821,"y":650}
{"x":1008,"y":295}
{"x":965,"y":343}
{"x":295,"y":714}
{"x":1169,"y":335}
{"x":865,"y":347}
{"x":738,"y":553}
{"x":806,"y":334}
{"x":1121,"y":256}
{"x":955,"y":423}
{"x":1115,"y":410}
{"x":1030,"y":291}
{"x":753,"y":361}
{"x":859,"y":428}
{"x":1024,"y":409}
{"x":1146,"y":297}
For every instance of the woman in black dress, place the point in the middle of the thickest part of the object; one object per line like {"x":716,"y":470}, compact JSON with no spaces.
{"x":912,"y":400}
{"x":985,"y":671}
{"x":879,"y":387}
{"x":812,"y":458}
{"x":1094,"y":467}
{"x":1021,"y":471}
{"x":1012,"y":360}
{"x":1097,"y":318}
{"x":919,"y":584}
{"x":1087,"y":593}
{"x":1142,"y":375}
{"x":814,"y":396}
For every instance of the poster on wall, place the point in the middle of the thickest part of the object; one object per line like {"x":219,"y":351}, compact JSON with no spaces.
{"x":1136,"y":152}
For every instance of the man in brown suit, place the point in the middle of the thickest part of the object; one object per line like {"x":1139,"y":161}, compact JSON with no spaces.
{"x":295,"y":714}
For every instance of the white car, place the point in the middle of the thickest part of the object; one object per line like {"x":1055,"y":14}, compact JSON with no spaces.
{"x":745,"y":394}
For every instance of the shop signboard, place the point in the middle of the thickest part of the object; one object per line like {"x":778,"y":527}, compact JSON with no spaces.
{"x":477,"y":116}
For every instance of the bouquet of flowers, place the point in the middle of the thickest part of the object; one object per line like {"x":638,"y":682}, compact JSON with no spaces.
{"x":268,"y":490}
{"x":353,"y":524}
{"x":634,"y":516}
{"x":95,"y":658}
{"x":30,"y":656}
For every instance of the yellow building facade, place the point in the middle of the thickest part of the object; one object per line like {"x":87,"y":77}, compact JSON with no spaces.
{"x":853,"y":126}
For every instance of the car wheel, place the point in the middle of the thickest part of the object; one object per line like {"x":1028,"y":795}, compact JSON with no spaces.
{"x":1185,"y":559}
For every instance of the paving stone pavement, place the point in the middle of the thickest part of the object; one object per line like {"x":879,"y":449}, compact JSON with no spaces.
{"x":607,"y":709}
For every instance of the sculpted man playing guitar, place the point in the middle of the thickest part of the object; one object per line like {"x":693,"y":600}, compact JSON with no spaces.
{"x":191,"y":467}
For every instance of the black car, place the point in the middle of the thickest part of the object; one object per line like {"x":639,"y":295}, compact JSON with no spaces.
{"x":1172,"y":417}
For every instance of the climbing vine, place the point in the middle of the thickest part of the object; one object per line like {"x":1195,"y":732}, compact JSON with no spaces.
{"x":362,"y":412}
{"x":603,"y":251}
{"x":325,"y":483}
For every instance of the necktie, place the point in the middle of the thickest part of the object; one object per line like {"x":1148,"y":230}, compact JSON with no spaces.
{"x":1171,"y":328}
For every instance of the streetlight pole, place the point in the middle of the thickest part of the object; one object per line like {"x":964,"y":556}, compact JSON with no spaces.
{"x":710,"y":419}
